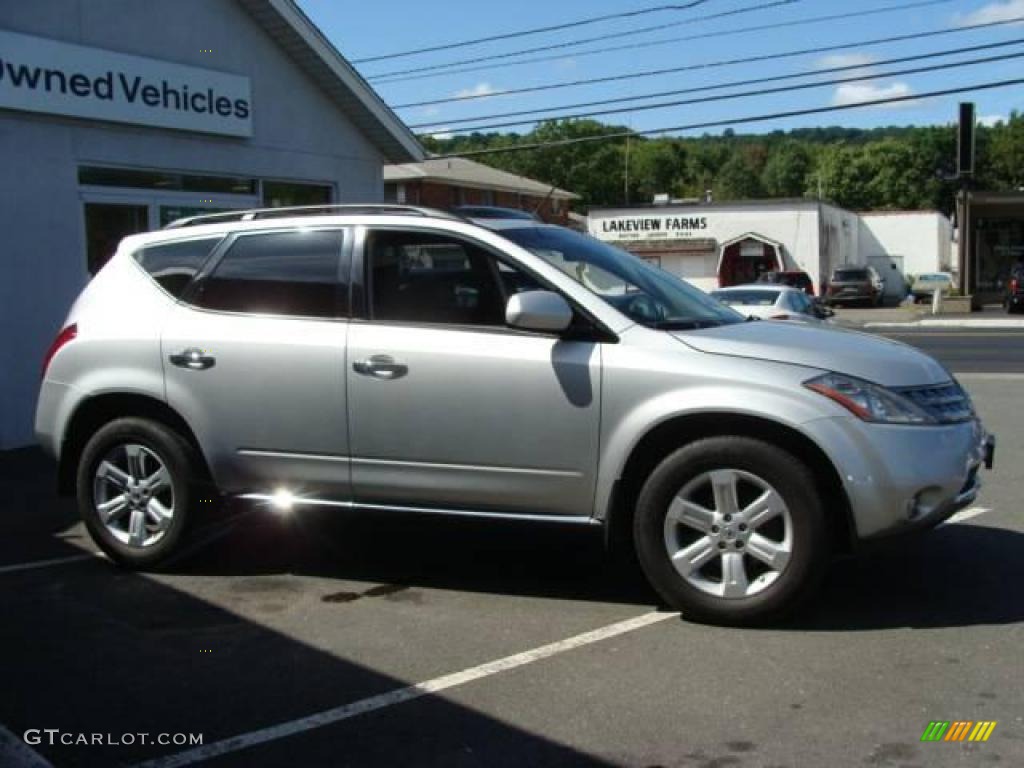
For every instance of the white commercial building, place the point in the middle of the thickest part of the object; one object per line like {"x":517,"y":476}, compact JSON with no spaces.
{"x":118,"y":116}
{"x":719,"y":244}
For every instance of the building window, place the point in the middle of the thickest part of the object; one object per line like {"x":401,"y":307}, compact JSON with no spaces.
{"x":279,"y":194}
{"x":105,"y":225}
{"x":165,"y":180}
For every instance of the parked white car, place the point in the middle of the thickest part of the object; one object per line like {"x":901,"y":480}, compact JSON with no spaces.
{"x":773,"y":302}
{"x":927,"y":283}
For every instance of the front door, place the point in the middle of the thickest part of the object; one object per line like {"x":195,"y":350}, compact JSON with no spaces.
{"x":254,"y":360}
{"x":451,"y":409}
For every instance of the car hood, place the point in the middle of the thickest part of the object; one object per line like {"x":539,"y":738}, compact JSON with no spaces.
{"x":865,"y":356}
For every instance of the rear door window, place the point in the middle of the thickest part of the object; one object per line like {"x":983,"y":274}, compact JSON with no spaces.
{"x":293,"y":273}
{"x":173,"y":265}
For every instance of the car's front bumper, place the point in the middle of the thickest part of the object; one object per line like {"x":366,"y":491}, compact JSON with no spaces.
{"x":900,"y":478}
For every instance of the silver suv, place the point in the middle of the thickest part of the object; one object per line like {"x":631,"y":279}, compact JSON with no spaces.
{"x":389,"y":358}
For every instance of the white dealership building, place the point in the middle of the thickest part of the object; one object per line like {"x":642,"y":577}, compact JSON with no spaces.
{"x":118,"y":116}
{"x":715,"y":244}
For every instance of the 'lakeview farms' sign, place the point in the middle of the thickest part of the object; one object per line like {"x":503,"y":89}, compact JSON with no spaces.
{"x":42,"y":75}
{"x":656,"y":227}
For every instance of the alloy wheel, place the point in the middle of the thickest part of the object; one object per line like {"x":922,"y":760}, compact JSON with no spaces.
{"x":729,"y":533}
{"x":133,"y":495}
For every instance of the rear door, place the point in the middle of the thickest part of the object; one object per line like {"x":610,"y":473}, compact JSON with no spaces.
{"x":254,"y":359}
{"x":451,"y":409}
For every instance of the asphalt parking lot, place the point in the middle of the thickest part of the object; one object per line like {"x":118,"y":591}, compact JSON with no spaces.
{"x":296,"y":642}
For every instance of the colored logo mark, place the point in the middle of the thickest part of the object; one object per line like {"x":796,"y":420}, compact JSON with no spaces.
{"x":958,"y":730}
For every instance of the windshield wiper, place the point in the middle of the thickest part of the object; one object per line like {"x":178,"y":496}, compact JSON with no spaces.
{"x":683,"y":325}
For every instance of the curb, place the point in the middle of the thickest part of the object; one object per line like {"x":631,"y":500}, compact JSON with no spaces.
{"x":980,"y":322}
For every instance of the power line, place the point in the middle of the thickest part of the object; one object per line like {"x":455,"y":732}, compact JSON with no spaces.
{"x":666,"y":41}
{"x":869,"y":75}
{"x":534,"y":31}
{"x":748,"y":94}
{"x":733,"y":121}
{"x":584,"y":41}
{"x":713,"y":64}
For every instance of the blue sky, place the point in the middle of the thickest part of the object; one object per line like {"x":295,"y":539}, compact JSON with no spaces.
{"x":366,"y":29}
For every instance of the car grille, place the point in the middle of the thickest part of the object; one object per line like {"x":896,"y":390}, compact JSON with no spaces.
{"x":946,"y":403}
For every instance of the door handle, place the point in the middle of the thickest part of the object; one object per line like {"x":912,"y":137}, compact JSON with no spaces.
{"x":380,"y":367}
{"x":194,"y":359}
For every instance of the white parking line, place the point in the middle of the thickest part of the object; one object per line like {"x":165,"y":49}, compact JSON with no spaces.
{"x":966,"y":514}
{"x":48,"y":563}
{"x":15,"y":753}
{"x":401,"y":695}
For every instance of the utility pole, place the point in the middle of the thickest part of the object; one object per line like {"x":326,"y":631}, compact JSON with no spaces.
{"x":625,"y":175}
{"x":965,"y":170}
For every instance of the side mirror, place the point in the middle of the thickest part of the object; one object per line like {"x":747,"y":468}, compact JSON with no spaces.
{"x":538,"y":311}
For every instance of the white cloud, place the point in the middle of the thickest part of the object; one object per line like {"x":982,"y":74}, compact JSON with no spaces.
{"x":442,"y":134}
{"x":430,"y":111}
{"x":480,"y":89}
{"x":989,"y":120}
{"x":845,"y":60}
{"x":858,"y":93}
{"x":997,"y":11}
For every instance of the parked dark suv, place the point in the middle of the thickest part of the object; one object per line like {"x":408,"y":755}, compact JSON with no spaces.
{"x":855,"y":285}
{"x":795,"y":278}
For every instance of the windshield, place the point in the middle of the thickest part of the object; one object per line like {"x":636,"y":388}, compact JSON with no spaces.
{"x":646,"y":294}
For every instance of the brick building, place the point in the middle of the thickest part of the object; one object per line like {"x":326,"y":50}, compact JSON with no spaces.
{"x":444,"y":183}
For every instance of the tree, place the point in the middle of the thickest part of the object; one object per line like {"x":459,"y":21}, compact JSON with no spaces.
{"x":785,"y":172}
{"x":740,"y":177}
{"x":657,"y":167}
{"x":1005,"y":161}
{"x":888,"y":167}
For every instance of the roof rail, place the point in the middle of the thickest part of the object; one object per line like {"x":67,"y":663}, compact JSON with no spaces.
{"x":309,"y":210}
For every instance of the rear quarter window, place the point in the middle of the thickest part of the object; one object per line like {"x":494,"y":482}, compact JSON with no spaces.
{"x":173,"y":265}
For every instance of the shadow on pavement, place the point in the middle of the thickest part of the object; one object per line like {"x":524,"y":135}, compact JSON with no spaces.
{"x":89,"y":648}
{"x":564,"y":562}
{"x":955,"y":576}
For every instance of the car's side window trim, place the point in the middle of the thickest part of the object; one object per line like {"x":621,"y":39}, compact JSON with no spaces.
{"x":192,"y":292}
{"x":361,"y":288}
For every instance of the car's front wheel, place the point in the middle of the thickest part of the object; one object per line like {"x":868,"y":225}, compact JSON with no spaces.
{"x":730,"y":530}
{"x":137,"y":489}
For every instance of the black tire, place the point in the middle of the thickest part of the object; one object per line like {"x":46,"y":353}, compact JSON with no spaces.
{"x":186,"y":482}
{"x":790,"y":478}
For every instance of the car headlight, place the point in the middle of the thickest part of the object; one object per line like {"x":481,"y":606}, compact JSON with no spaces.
{"x":868,"y":401}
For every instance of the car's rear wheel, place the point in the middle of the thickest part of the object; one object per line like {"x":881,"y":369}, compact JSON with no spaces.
{"x":138,"y":486}
{"x":730,"y":530}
